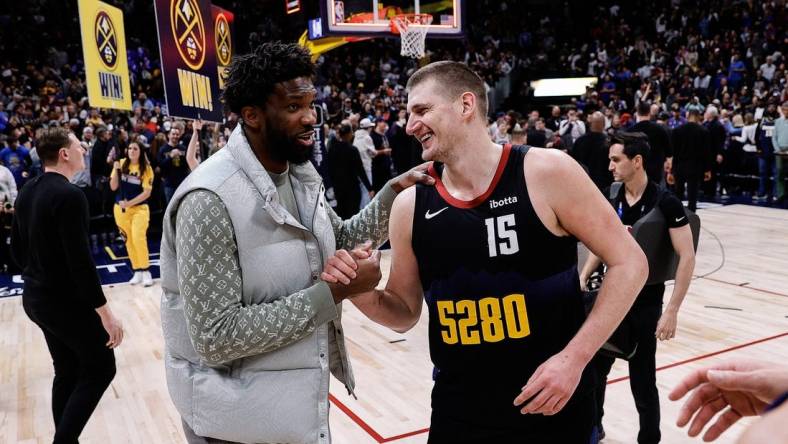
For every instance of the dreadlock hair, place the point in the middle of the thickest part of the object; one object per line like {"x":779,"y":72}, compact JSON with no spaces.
{"x":252,"y":77}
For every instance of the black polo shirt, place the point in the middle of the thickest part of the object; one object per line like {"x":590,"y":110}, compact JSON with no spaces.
{"x":671,"y":208}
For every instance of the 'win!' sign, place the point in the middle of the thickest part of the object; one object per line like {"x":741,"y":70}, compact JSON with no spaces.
{"x":188,"y":58}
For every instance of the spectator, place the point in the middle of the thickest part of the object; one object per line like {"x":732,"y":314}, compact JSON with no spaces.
{"x":591,"y":151}
{"x":718,"y":136}
{"x":16,"y":158}
{"x":537,"y":136}
{"x":571,"y":129}
{"x":691,"y":154}
{"x":172,"y":162}
{"x":381,"y":163}
{"x":660,"y":153}
{"x":363,"y":142}
{"x":346,"y":171}
{"x":132,"y":181}
{"x":780,"y":141}
{"x":768,"y":69}
{"x":402,"y":154}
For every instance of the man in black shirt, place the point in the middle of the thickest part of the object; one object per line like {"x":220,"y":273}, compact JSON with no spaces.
{"x":100,"y":168}
{"x":646,"y":321}
{"x":537,"y":136}
{"x":62,"y":293}
{"x":660,"y":151}
{"x":691,"y":158}
{"x":381,"y":163}
{"x":102,"y":156}
{"x":402,"y":152}
{"x":345,"y":170}
{"x":717,"y":136}
{"x":590,"y":150}
{"x":172,"y":161}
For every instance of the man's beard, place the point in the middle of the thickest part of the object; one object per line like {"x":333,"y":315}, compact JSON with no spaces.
{"x":284,"y":148}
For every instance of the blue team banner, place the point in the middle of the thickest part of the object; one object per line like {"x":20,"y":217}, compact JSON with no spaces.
{"x":188,"y":59}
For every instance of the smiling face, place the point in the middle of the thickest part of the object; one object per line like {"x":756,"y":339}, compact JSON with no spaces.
{"x":289,"y":120}
{"x":433,"y":120}
{"x":174,"y":138}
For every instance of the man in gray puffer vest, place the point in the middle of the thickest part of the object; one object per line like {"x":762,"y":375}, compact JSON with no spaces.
{"x":252,"y":277}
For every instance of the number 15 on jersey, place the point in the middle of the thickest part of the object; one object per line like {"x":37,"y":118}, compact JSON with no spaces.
{"x":501,"y":236}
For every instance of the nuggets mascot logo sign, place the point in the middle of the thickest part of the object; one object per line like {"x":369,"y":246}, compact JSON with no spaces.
{"x":188,"y":29}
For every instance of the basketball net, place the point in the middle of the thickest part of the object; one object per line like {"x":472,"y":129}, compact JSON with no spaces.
{"x":412,"y":29}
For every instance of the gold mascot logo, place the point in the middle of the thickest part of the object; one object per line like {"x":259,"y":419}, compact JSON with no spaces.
{"x":188,"y":29}
{"x":106,"y":40}
{"x":224,"y":44}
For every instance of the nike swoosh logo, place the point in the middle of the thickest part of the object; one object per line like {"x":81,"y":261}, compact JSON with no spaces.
{"x":429,"y":215}
{"x":679,"y":219}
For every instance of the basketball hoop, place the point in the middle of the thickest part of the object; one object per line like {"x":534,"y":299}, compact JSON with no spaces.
{"x":412,"y":29}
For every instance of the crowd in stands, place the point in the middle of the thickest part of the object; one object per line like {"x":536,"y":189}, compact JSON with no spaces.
{"x":721,"y":60}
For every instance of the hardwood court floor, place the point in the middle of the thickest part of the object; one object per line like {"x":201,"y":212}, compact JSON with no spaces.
{"x":740,"y":310}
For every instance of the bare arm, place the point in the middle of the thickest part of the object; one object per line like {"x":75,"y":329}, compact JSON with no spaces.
{"x":114,"y":178}
{"x":681,"y":238}
{"x":399,"y":305}
{"x":586,"y":214}
{"x":682,"y":242}
{"x":372,"y":221}
{"x":194,"y":143}
{"x":138,"y":199}
{"x":567,"y":202}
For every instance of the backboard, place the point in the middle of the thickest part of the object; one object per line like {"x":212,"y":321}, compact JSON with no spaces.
{"x":370,"y":18}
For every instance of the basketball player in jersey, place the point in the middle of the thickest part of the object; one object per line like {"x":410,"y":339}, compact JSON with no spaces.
{"x":492,"y":250}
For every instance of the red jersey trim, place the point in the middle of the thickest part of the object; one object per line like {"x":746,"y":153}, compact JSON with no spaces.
{"x":453,"y":201}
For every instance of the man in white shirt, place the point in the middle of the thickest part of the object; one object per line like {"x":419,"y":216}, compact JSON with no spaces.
{"x":363,"y":142}
{"x":768,"y":69}
{"x":572,"y":125}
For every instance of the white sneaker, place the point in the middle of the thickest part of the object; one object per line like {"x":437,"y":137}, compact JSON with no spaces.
{"x":147,"y":280}
{"x":137,"y":278}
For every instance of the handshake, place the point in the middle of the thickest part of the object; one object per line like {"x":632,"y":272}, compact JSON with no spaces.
{"x":349,"y":273}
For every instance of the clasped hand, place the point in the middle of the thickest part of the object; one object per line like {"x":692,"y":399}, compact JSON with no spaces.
{"x":352,"y":272}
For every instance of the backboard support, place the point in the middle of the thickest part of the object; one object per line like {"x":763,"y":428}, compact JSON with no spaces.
{"x":372,"y":18}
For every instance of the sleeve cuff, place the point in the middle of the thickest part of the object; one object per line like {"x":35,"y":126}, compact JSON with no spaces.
{"x":323,"y":302}
{"x":100,"y":299}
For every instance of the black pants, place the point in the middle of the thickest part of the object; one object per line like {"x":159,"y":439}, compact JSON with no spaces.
{"x":84,"y":366}
{"x":643,"y":320}
{"x":691,"y":182}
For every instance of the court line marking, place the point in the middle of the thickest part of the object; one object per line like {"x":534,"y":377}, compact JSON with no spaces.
{"x":745,"y":285}
{"x":380,"y":439}
{"x":707,"y":355}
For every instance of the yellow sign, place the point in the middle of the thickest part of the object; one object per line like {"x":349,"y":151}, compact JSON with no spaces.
{"x":188,"y":29}
{"x":104,"y":51}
